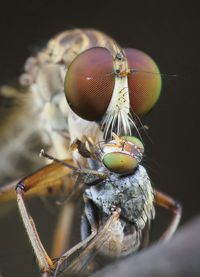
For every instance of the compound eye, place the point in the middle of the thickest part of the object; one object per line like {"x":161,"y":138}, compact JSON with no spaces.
{"x":89,"y":83}
{"x":120,"y":162}
{"x":124,"y":159}
{"x":144,"y":81}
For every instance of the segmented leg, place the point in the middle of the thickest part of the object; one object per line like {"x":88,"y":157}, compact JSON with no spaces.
{"x":98,"y":241}
{"x":70,"y":252}
{"x":169,"y":203}
{"x":44,"y":179}
{"x":86,"y":236}
{"x":44,"y":261}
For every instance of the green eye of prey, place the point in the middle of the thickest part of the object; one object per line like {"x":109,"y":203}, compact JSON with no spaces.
{"x":119,"y":163}
{"x":124,"y":159}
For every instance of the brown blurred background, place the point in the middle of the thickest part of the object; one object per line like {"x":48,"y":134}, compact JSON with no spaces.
{"x":166,"y":30}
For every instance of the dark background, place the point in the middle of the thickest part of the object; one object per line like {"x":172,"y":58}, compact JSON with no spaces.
{"x":166,"y":30}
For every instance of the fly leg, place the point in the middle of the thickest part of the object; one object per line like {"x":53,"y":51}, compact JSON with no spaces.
{"x":63,"y":229}
{"x":61,"y":236}
{"x":169,"y":203}
{"x":103,"y":234}
{"x":44,"y":261}
{"x":88,"y":232}
{"x":37,"y":183}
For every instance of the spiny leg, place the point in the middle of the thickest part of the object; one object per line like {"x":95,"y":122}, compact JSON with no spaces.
{"x":85,"y":176}
{"x":169,"y":203}
{"x":38,"y":181}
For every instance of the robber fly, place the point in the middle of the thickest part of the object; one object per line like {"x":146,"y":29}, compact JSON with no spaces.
{"x":107,"y":89}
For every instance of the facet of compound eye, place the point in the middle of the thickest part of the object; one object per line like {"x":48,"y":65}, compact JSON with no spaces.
{"x":89,"y":83}
{"x":144,"y":81}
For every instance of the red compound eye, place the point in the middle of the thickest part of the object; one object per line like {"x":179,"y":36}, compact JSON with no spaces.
{"x":89,"y":83}
{"x":144,"y":82}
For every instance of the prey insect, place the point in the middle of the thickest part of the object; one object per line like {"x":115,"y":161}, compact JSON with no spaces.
{"x":119,"y":204}
{"x":107,"y":89}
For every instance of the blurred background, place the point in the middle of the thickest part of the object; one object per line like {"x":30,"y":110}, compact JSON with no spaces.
{"x":169,"y":32}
